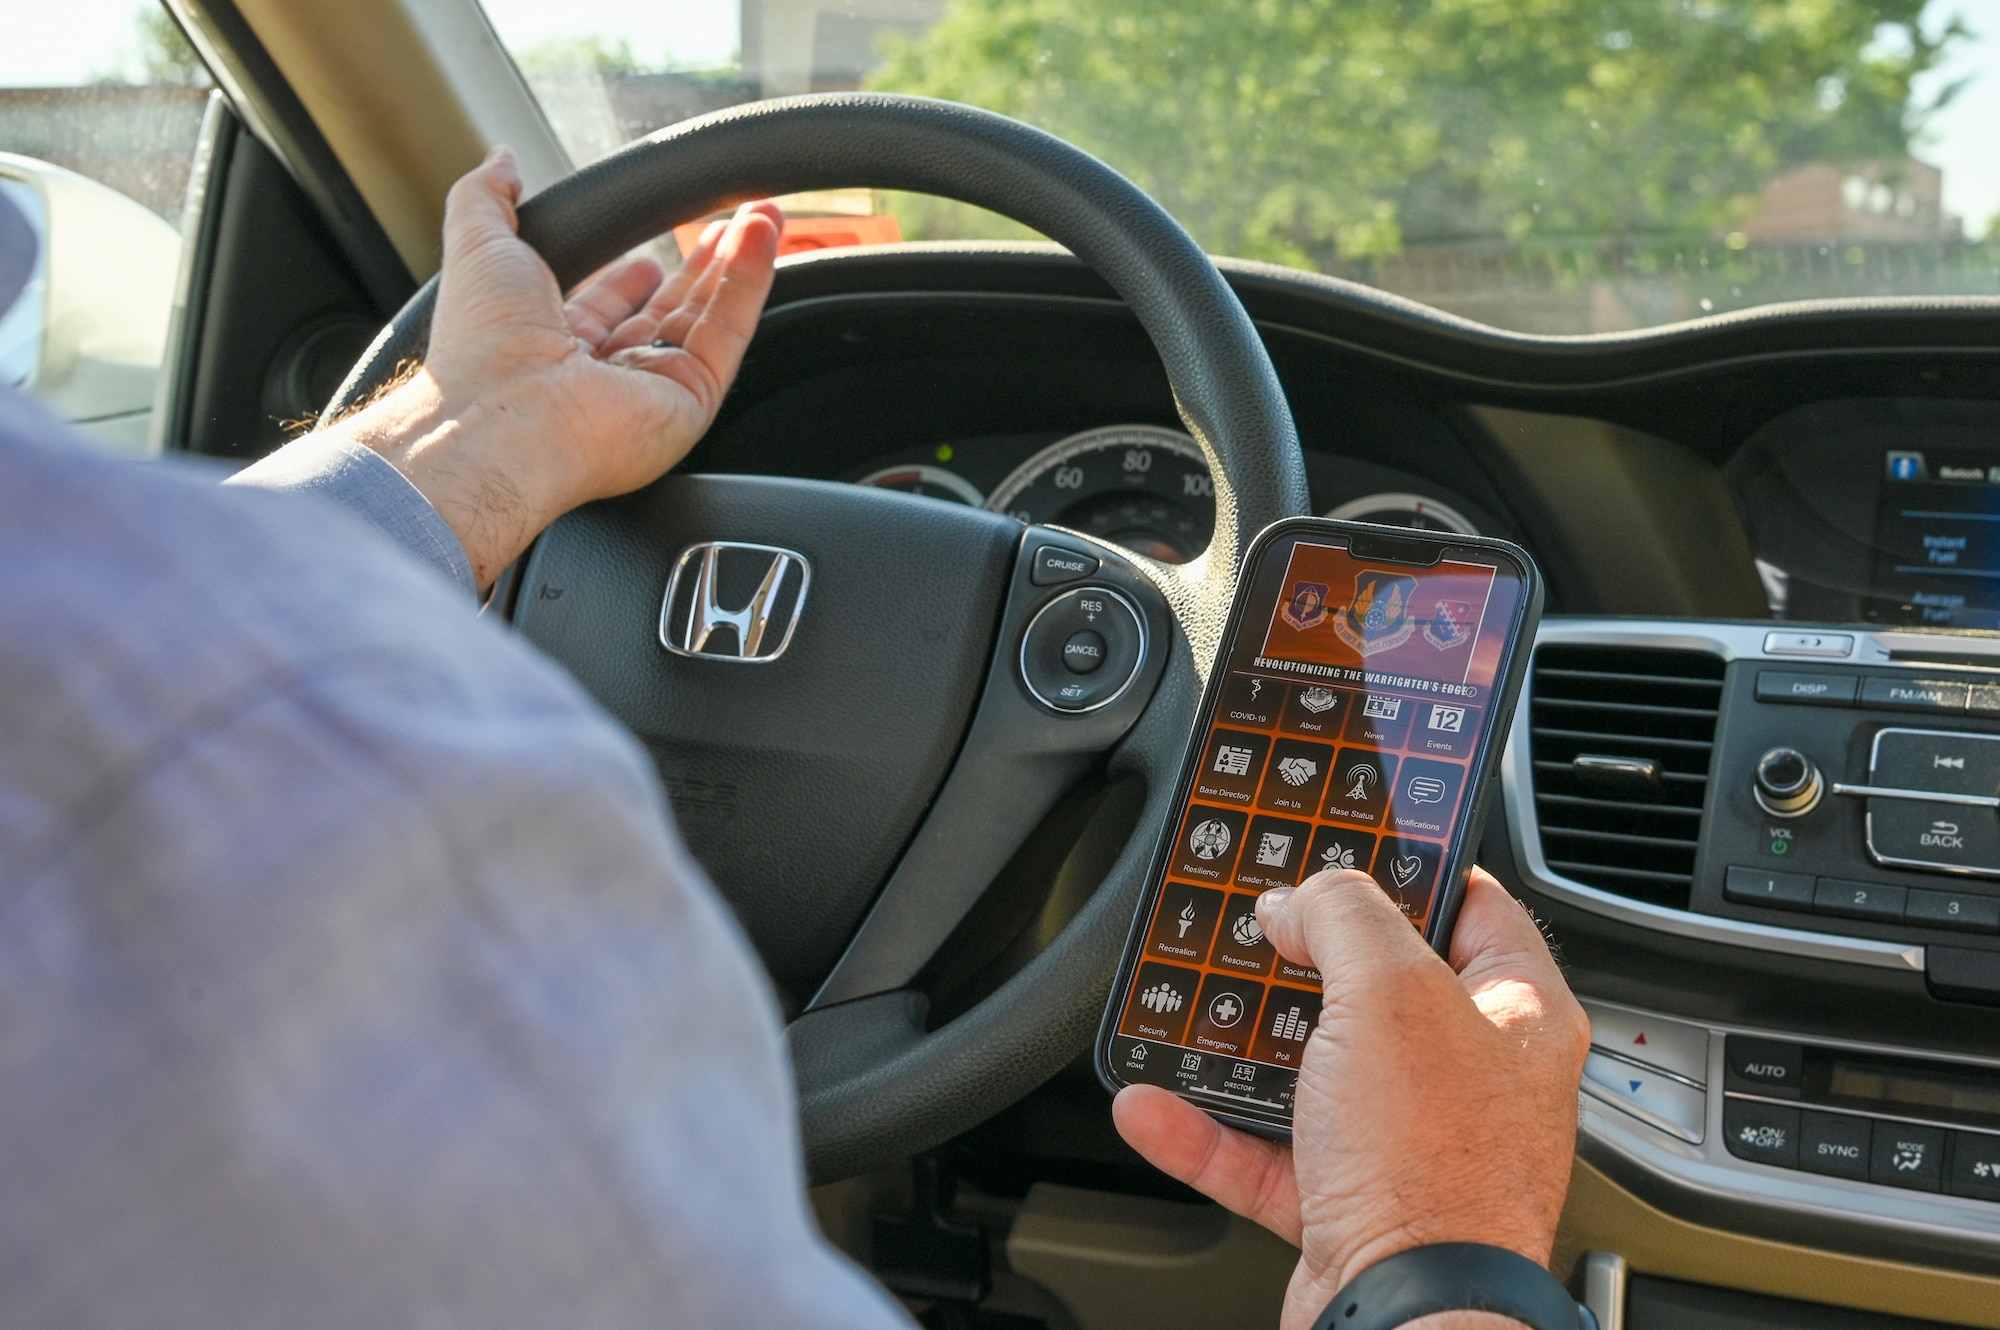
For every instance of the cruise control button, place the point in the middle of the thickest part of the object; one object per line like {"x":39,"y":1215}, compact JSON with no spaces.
{"x":1654,"y":1040}
{"x":1835,"y":1144}
{"x":1907,"y":1156}
{"x":1777,"y":891}
{"x":1649,"y":1095}
{"x":1958,"y":910}
{"x":1054,"y":565}
{"x":1762,"y":1133}
{"x":1763,"y":1066}
{"x":1859,"y":900}
{"x":1084,"y":651}
{"x":1916,"y":832}
{"x":1936,"y":760}
{"x":1975,"y":1166}
{"x":1048,"y":666}
{"x":1821,"y":690}
{"x":1893,"y":694}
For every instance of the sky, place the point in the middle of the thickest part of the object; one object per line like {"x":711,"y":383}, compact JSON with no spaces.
{"x":70,"y":41}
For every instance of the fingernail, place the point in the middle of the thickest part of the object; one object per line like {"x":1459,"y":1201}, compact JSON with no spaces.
{"x":662,"y":342}
{"x":1276,"y":898}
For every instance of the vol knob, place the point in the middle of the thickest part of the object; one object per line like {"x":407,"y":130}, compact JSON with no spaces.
{"x":1788,"y":784}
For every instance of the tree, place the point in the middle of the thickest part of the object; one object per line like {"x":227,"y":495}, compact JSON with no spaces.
{"x":160,"y":53}
{"x":1313,"y":131}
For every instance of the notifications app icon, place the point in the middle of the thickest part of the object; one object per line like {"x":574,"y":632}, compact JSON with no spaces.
{"x":1425,"y":790}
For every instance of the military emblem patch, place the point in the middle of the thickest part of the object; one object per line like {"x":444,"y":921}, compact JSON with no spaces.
{"x":1378,"y":618}
{"x":1305,"y":609}
{"x":1450,"y":624}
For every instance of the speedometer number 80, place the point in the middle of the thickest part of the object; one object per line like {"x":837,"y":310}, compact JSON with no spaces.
{"x":1138,"y":459}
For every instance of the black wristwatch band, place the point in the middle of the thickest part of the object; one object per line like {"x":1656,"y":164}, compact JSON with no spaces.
{"x":1454,"y":1277}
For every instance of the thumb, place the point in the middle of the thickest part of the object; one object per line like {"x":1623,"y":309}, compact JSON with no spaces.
{"x":1343,"y":925}
{"x":481,"y":205}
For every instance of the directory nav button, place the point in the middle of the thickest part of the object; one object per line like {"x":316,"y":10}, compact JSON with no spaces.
{"x":1834,"y":1143}
{"x":1251,"y":699}
{"x":1162,"y":1001}
{"x":1210,"y":840}
{"x":1659,"y":1099}
{"x":1231,"y":766}
{"x":1184,"y":923}
{"x":1288,"y":1019}
{"x":1225,"y":1019}
{"x":1762,"y":1133}
{"x":1907,"y":1156}
{"x":1764,"y":1066}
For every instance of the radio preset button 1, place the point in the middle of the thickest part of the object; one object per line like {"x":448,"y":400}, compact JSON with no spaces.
{"x":1907,"y":1156}
{"x":1761,"y":1133}
{"x":1819,"y":690}
{"x":1896,"y":694}
{"x":1764,"y":1066}
{"x":1859,"y":900}
{"x":1777,"y":891}
{"x":1958,"y":910}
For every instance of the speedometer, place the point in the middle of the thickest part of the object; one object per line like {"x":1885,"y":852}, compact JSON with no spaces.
{"x":1139,"y":486}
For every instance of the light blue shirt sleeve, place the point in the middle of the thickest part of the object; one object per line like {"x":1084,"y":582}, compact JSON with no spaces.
{"x":362,"y":482}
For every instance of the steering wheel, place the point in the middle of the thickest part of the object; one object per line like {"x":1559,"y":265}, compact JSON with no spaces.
{"x":855,"y":791}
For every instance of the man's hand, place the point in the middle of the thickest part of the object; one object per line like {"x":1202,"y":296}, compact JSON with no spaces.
{"x":526,"y":407}
{"x":1436,"y":1103}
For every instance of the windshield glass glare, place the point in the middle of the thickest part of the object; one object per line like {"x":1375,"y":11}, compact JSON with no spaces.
{"x":1550,"y":166}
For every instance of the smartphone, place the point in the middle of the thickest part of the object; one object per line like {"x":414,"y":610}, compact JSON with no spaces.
{"x":1354,"y":719}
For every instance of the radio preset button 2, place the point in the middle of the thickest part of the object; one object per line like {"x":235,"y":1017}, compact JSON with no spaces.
{"x":1859,"y":900}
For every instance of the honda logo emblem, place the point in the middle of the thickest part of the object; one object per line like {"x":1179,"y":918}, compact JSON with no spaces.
{"x":765,"y":585}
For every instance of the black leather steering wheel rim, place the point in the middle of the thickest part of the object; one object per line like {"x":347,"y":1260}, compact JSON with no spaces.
{"x":874,"y":1084}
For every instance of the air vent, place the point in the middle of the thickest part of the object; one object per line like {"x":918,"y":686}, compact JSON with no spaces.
{"x":1621,"y":742}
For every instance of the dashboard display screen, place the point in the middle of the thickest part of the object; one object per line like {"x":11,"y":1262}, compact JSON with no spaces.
{"x":1343,"y":735}
{"x":1937,"y":539}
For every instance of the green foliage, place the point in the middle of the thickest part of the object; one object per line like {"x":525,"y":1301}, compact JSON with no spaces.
{"x":159,"y":53}
{"x":1312,"y":132}
{"x":568,"y":55}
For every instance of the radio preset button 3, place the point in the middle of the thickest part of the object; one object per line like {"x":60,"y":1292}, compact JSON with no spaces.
{"x":1959,"y":910}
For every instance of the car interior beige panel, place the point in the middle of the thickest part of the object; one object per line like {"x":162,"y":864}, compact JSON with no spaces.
{"x":1603,"y":1216}
{"x":1134,"y":1263}
{"x":409,"y":94}
{"x":1658,"y":521}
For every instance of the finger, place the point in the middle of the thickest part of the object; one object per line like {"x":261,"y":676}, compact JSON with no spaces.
{"x":481,"y":205}
{"x":673,"y":311}
{"x":610,"y":297}
{"x":1343,"y":925}
{"x":709,"y":353}
{"x":1238,"y":1171}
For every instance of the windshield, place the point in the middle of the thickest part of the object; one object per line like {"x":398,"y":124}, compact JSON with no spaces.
{"x":1549,"y":166}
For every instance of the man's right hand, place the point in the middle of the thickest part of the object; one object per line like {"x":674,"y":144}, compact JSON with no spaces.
{"x":1436,"y":1102}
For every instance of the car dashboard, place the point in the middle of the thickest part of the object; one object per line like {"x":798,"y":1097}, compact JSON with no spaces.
{"x":1767,"y":676}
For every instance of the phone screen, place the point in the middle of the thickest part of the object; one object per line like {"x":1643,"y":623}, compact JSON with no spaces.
{"x":1346,"y":730}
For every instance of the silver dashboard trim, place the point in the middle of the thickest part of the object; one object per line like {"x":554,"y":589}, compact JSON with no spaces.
{"x":1729,"y":641}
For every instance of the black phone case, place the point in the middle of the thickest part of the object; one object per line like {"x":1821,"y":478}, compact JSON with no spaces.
{"x":1482,"y":774}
